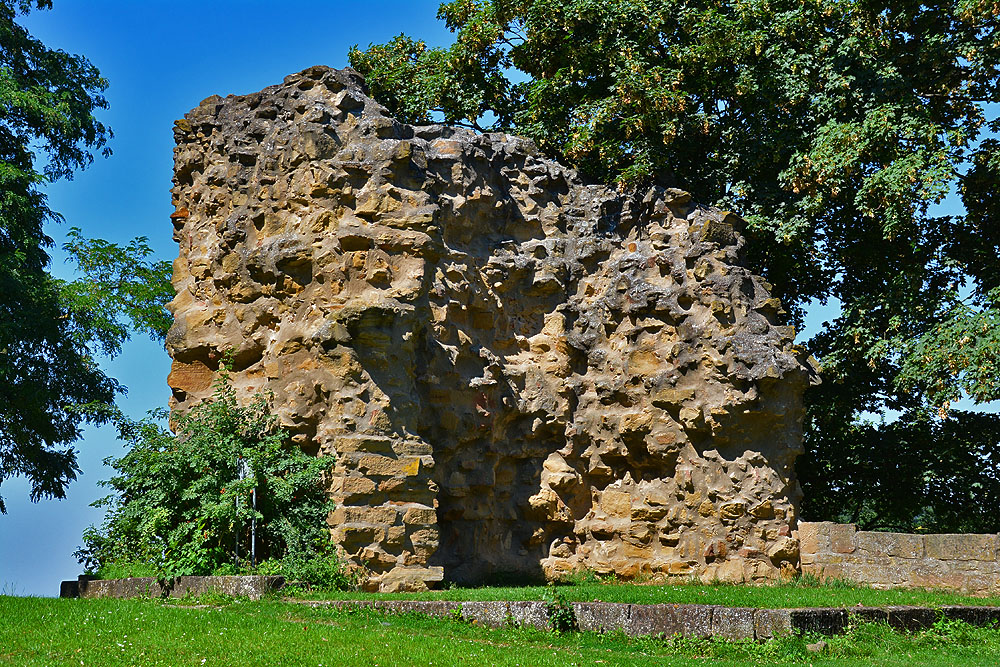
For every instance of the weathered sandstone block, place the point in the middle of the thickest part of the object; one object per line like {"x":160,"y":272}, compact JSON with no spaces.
{"x":512,"y":371}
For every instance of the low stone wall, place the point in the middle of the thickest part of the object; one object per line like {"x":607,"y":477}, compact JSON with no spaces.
{"x":253,"y":587}
{"x":687,"y":620}
{"x":962,"y":562}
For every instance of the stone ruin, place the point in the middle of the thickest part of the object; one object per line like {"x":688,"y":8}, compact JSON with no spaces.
{"x":513,"y":372}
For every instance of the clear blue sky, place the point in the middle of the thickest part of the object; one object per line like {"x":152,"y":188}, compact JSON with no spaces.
{"x":162,"y":58}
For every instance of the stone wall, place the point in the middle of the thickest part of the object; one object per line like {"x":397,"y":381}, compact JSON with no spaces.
{"x":251,"y":586}
{"x":686,"y":620}
{"x":512,"y":371}
{"x":963,"y":562}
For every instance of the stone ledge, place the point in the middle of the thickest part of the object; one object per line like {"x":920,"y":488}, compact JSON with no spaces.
{"x":687,"y":620}
{"x":251,"y":586}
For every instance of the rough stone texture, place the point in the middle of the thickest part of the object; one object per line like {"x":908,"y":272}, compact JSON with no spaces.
{"x":825,"y":621}
{"x":490,"y":614}
{"x":910,"y":618}
{"x":133,"y":587}
{"x":440,"y":608}
{"x":253,"y":587}
{"x":530,"y":614}
{"x":733,"y":623}
{"x":602,"y":616}
{"x":653,"y":619}
{"x":688,"y":620}
{"x":695,"y":620}
{"x":963,"y":562}
{"x":769,"y":623}
{"x":514,"y":370}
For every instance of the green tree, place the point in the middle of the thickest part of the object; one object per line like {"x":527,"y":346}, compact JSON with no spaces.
{"x":834,"y":127}
{"x":50,"y":328}
{"x":120,"y":290}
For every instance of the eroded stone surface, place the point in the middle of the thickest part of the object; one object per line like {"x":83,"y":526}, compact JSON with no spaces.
{"x":515,"y":371}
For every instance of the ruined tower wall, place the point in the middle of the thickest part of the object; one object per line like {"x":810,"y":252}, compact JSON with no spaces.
{"x":512,"y":371}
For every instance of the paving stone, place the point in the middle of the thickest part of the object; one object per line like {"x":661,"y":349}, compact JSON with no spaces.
{"x":251,"y":586}
{"x":133,"y":587}
{"x":342,"y":604}
{"x":437,"y":608}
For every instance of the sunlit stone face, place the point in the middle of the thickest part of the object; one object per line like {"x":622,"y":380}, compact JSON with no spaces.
{"x":511,"y":371}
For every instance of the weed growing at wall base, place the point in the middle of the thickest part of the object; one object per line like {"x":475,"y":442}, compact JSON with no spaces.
{"x":561,"y":615}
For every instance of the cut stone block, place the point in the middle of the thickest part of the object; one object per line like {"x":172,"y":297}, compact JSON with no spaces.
{"x":602,"y":616}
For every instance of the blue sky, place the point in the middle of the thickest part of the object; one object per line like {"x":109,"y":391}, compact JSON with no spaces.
{"x":162,"y":59}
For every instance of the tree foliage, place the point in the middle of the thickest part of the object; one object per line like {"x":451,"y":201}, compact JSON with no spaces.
{"x":915,"y":474}
{"x":50,"y":328}
{"x":834,"y":127}
{"x":120,"y":290}
{"x":181,"y":505}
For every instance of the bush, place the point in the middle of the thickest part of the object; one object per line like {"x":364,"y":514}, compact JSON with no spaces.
{"x":183,"y":504}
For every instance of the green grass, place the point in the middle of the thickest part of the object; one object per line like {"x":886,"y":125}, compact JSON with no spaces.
{"x":801,"y":593}
{"x":38,"y":631}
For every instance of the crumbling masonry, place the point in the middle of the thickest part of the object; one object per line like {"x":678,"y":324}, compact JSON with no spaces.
{"x":511,"y":370}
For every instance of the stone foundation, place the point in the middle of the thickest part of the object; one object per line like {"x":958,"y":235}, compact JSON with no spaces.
{"x":512,"y":371}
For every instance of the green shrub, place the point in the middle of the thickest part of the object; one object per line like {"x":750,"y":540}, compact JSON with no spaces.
{"x":181,"y":506}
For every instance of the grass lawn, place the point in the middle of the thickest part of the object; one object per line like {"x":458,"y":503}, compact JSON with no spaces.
{"x":800,"y":593}
{"x":41,"y":631}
